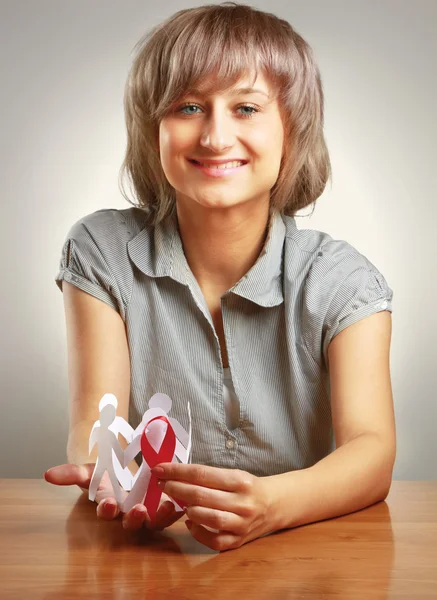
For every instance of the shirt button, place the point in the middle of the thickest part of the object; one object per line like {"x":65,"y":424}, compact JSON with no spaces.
{"x":230,"y":444}
{"x":384,"y":305}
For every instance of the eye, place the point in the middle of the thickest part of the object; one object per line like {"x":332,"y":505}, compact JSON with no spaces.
{"x":245,"y":115}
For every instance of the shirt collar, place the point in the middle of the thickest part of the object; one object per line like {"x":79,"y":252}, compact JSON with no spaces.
{"x":158,"y":252}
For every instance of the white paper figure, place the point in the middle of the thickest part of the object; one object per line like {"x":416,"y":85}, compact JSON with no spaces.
{"x":119,"y":425}
{"x":159,"y":406}
{"x":107,"y":445}
{"x":163,"y":403}
{"x":124,"y":476}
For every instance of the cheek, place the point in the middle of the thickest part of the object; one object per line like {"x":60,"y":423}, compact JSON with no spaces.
{"x":175,"y":138}
{"x":269,"y":139}
{"x":270,"y":145}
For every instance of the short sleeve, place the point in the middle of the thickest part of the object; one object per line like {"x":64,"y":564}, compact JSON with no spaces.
{"x":342,"y":287}
{"x":83,"y":264}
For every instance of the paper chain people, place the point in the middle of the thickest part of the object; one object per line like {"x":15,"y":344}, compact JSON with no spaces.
{"x":158,"y":437}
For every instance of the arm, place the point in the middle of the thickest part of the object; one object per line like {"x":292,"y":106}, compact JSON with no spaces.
{"x":181,"y":434}
{"x":359,"y":472}
{"x":93,"y":437}
{"x":118,"y":451}
{"x":98,"y":362}
{"x":132,"y":450}
{"x":181,"y":452}
{"x":123,"y":427}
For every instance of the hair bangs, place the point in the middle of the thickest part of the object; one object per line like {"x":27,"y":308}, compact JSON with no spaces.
{"x":212,"y":59}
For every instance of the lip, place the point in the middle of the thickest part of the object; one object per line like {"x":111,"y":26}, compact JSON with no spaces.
{"x":210,"y":161}
{"x":213,"y":172}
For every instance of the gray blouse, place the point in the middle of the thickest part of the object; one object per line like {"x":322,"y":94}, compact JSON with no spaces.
{"x":278,"y":321}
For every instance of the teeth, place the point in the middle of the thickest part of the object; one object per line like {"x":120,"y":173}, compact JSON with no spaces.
{"x":229,"y":165}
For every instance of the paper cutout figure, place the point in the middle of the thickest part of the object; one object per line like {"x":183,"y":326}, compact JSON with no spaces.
{"x":119,"y":425}
{"x":159,"y":406}
{"x":159,"y":438}
{"x":107,"y":443}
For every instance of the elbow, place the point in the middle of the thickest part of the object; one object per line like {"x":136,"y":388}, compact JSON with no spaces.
{"x":387,"y":461}
{"x":386,"y":477}
{"x":385,"y":491}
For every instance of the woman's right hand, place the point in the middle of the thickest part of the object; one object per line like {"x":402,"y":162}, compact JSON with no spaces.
{"x":107,"y":508}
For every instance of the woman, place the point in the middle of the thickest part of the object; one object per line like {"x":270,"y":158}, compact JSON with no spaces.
{"x":207,"y":291}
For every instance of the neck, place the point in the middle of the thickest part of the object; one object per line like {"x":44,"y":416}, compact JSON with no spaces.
{"x":221,"y":245}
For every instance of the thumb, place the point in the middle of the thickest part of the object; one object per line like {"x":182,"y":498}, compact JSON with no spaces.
{"x":70,"y":475}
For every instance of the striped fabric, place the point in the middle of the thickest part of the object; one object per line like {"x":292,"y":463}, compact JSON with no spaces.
{"x":278,"y":320}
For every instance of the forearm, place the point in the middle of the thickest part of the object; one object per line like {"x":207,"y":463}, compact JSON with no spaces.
{"x":78,"y":443}
{"x":352,"y":477}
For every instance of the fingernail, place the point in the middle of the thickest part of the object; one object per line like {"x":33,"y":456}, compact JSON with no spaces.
{"x":138,"y":512}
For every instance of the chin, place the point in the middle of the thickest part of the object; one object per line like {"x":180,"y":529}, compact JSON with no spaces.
{"x":219,"y":201}
{"x":221,"y":204}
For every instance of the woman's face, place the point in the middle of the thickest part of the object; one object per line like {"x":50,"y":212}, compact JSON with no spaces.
{"x":243,"y":126}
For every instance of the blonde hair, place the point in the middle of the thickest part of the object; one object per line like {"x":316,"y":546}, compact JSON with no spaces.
{"x":229,"y":40}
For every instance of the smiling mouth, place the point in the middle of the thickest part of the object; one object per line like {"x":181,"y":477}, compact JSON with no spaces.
{"x":223,"y":167}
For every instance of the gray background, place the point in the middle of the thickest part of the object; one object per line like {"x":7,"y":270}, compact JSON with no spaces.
{"x":62,"y":70}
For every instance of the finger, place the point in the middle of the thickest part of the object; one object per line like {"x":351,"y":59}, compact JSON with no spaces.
{"x":163,"y":516}
{"x":108,"y":509}
{"x":216,"y":541}
{"x":224,"y":479}
{"x":196,"y":495}
{"x":134,"y":519}
{"x":105,"y":491}
{"x":70,"y":474}
{"x":175,"y":517}
{"x":216,"y":519}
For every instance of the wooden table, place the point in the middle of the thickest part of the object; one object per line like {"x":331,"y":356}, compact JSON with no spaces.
{"x":52,"y":546}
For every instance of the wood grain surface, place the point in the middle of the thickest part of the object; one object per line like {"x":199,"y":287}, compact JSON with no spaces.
{"x":52,"y":546}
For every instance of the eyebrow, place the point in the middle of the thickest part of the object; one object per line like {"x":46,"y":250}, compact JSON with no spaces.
{"x":235,"y":92}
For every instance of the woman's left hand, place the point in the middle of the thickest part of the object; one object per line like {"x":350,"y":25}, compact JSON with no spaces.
{"x":234,"y":502}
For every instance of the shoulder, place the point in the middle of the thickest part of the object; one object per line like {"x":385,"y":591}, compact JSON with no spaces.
{"x":109,"y":224}
{"x":335,"y":284}
{"x":96,"y":251}
{"x":320,"y":254}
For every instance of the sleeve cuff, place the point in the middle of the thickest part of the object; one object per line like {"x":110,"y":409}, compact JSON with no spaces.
{"x":362,"y":312}
{"x":86,"y":286}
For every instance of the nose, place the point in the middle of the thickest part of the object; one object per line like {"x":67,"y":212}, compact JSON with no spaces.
{"x":218,"y":133}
